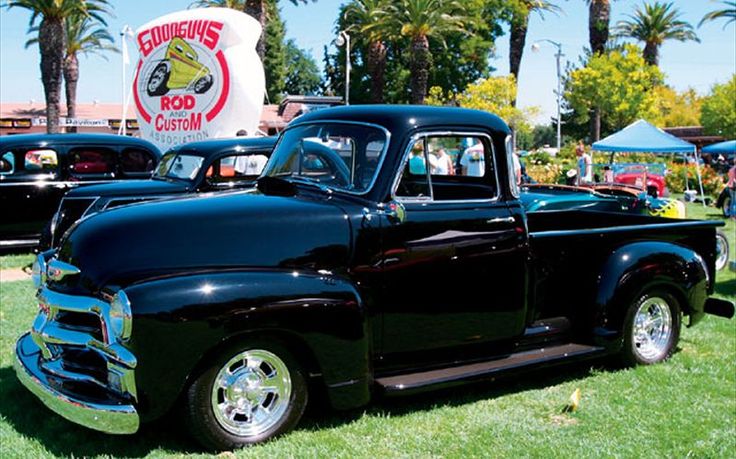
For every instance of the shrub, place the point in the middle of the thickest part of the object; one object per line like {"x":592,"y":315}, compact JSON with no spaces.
{"x":675,"y":179}
{"x":549,"y":173}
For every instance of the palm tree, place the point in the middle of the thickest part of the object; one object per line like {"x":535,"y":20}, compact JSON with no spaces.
{"x":729,"y":13}
{"x":521,"y":10}
{"x":368,"y":19}
{"x":52,"y":42}
{"x":83,"y":36}
{"x":599,"y":17}
{"x":419,"y":20}
{"x":653,"y":25}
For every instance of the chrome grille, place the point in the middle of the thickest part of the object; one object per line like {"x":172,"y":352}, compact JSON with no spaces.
{"x":77,"y":345}
{"x":70,"y":211}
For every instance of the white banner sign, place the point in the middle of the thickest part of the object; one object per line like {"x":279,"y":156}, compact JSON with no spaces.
{"x":199,"y":76}
{"x":72,"y":122}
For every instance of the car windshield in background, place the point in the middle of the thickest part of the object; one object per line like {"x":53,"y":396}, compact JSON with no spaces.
{"x":179,"y":166}
{"x":343,"y":156}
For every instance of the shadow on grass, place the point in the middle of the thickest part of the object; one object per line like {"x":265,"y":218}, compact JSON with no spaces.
{"x":30,"y":418}
{"x":726,"y":289}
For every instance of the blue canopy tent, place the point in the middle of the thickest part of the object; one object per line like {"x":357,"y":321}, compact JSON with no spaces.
{"x":721,"y":148}
{"x":641,"y":136}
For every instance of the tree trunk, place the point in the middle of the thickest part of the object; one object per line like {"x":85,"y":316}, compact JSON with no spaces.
{"x":257,"y":10}
{"x":598,"y":25}
{"x":595,"y":125}
{"x":516,"y":47}
{"x":51,"y":44}
{"x":377,"y":69}
{"x":651,"y":53}
{"x":421,"y":59}
{"x":71,"y":77}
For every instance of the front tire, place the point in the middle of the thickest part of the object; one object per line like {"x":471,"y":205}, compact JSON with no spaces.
{"x":651,"y":329}
{"x":253,"y":392}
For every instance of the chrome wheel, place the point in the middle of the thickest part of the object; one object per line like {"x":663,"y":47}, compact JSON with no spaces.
{"x":721,"y":251}
{"x":652,"y":329}
{"x":251,"y":393}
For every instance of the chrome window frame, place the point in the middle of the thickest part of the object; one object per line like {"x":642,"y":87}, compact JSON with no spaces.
{"x":379,"y":166}
{"x":511,"y":171}
{"x":425,"y":134}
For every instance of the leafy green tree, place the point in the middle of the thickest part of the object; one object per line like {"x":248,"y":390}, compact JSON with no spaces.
{"x":519,"y":22}
{"x":653,"y":25}
{"x":52,"y":42}
{"x":728,"y":13}
{"x":495,"y":95}
{"x":618,"y":84}
{"x":302,"y":71}
{"x":718,"y":114}
{"x":672,"y":108}
{"x":544,"y":134}
{"x":275,"y":59}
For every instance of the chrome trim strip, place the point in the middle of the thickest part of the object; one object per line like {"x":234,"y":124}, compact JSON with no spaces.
{"x":110,"y":418}
{"x":379,"y":166}
{"x":405,"y":155}
{"x":18,"y":241}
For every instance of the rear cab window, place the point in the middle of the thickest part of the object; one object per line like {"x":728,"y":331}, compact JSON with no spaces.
{"x":137,"y":162}
{"x":448,"y":167}
{"x":89,"y":163}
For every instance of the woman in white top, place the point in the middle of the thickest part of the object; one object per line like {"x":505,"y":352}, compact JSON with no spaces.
{"x":443,"y":163}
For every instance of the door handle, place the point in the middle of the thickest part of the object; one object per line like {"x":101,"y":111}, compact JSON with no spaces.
{"x":496,"y":220}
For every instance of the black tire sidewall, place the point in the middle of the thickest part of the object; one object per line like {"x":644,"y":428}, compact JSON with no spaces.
{"x":201,"y":419}
{"x":629,"y":355}
{"x":161,"y":89}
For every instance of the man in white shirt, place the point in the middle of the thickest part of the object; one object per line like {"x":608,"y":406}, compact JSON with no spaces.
{"x":473,"y":162}
{"x":250,"y":164}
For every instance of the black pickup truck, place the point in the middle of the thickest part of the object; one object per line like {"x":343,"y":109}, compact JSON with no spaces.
{"x":365,"y":262}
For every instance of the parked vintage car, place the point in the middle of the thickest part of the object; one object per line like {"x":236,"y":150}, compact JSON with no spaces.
{"x":197,"y":167}
{"x":37,"y":169}
{"x":648,"y":176}
{"x":352,"y":270}
{"x":724,"y":202}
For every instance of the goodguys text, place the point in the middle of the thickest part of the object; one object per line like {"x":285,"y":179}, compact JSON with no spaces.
{"x":206,"y":32}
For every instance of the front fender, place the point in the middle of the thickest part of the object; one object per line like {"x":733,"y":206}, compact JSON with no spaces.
{"x":179,"y":322}
{"x":634,"y":268}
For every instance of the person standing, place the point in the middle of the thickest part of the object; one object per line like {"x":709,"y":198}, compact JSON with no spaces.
{"x":731,"y":184}
{"x":443,"y":163}
{"x":585,"y":164}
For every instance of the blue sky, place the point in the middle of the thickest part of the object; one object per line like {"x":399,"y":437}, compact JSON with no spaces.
{"x":696,"y":65}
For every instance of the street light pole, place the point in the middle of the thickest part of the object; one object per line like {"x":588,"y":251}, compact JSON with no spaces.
{"x":124,"y":34}
{"x":558,"y":57}
{"x":343,"y":38}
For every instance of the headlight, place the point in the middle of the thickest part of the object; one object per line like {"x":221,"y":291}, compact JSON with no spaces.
{"x":38,"y":272}
{"x":121,"y":318}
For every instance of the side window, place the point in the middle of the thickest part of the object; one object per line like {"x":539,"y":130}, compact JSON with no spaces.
{"x":88,"y":161}
{"x":414,"y":181}
{"x":136,"y":160}
{"x":249,"y":165}
{"x":450,"y":168}
{"x":42,"y":160}
{"x":7,"y":163}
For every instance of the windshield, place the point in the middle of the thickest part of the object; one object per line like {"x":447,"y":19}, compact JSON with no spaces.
{"x":344,"y":156}
{"x":179,"y":166}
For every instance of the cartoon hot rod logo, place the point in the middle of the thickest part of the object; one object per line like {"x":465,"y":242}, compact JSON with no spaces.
{"x":182,"y":81}
{"x":180,"y":69}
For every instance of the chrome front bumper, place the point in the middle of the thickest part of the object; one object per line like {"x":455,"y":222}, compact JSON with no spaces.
{"x":98,"y":413}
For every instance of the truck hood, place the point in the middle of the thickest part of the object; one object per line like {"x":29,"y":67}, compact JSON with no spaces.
{"x":131,"y":188}
{"x":232,"y":231}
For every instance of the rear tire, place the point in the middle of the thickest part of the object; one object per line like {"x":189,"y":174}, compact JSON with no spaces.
{"x":252,"y":392}
{"x":651,"y":328}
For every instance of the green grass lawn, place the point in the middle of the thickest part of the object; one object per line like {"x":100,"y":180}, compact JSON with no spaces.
{"x":685,"y":407}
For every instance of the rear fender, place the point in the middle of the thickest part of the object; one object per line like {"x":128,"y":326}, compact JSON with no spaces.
{"x":635,"y":268}
{"x":180,"y":322}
